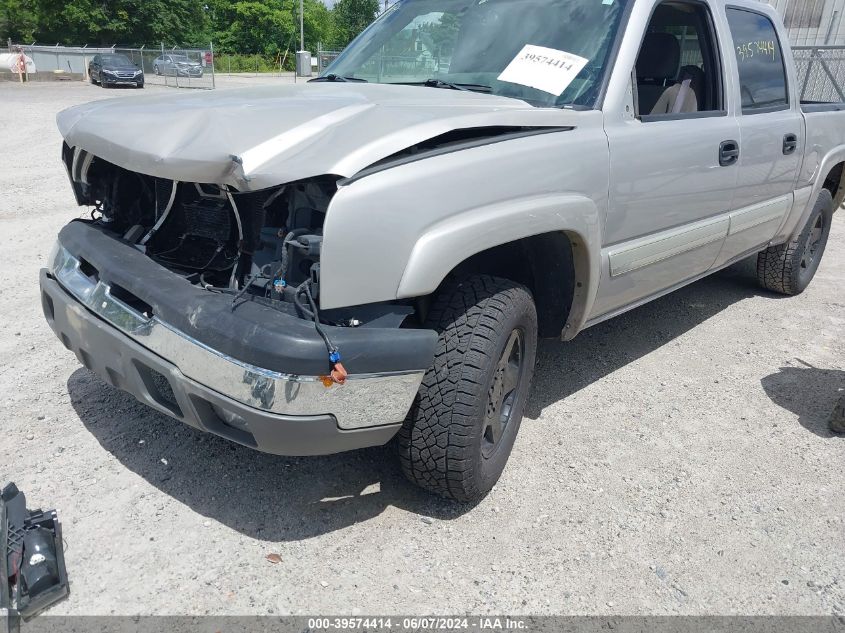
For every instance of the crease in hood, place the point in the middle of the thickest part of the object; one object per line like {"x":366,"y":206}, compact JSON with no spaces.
{"x":261,"y":137}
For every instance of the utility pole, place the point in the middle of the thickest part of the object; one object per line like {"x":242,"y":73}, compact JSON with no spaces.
{"x":301,"y":25}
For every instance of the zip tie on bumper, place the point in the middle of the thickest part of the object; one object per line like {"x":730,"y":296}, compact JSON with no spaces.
{"x":338,"y":372}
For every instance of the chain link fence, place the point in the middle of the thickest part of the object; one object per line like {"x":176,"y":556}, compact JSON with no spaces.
{"x":166,"y":66}
{"x":325,"y":58}
{"x":254,"y":64}
{"x":821,"y":72}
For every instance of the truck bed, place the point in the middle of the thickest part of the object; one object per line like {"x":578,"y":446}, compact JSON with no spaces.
{"x":822,"y":106}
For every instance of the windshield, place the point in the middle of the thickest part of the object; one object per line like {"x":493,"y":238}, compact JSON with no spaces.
{"x":116,"y":60}
{"x":546,"y":52}
{"x":179,"y":58}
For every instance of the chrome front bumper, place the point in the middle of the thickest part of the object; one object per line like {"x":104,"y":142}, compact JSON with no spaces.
{"x":364,"y":401}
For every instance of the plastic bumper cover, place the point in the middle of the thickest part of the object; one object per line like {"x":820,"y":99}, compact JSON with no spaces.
{"x":277,"y":411}
{"x":125,"y":364}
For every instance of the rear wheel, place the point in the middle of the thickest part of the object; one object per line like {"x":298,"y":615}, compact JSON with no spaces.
{"x":789,"y":268}
{"x":156,"y":70}
{"x":461,"y":429}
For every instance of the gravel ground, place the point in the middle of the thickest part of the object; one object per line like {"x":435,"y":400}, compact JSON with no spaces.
{"x":673,"y":460}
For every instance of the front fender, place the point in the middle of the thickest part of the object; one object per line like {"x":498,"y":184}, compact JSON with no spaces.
{"x":397,"y":233}
{"x":451,"y":241}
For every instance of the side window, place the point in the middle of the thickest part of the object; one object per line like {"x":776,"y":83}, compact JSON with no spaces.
{"x":678,"y":68}
{"x":762,"y":75}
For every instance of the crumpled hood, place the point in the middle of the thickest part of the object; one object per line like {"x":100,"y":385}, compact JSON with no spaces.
{"x":260,"y":137}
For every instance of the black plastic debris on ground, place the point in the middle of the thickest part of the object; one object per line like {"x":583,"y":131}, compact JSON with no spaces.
{"x":32,"y":563}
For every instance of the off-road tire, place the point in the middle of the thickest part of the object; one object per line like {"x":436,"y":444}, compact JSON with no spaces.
{"x":443,"y":441}
{"x":785,"y":268}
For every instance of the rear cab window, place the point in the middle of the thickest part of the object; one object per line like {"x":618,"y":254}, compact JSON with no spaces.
{"x":759,"y":59}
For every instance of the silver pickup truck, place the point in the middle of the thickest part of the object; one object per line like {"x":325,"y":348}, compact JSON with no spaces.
{"x":372,"y":255}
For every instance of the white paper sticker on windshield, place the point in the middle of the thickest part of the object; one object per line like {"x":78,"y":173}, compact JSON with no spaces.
{"x":545,"y":69}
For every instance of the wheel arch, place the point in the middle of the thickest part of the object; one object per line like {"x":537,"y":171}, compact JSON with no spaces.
{"x":834,"y":181}
{"x":830,"y":175}
{"x":550,"y":246}
{"x":544,"y":263}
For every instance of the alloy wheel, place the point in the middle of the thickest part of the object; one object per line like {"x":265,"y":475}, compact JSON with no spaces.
{"x":811,"y":248}
{"x":503,"y":392}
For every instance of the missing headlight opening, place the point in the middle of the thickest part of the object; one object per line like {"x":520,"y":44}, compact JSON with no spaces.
{"x":259,"y":246}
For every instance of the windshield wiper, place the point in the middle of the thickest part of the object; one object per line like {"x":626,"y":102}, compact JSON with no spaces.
{"x":333,"y":77}
{"x":439,"y":83}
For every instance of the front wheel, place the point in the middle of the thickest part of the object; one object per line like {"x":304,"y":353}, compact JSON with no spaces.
{"x":462,"y":426}
{"x":789,"y":268}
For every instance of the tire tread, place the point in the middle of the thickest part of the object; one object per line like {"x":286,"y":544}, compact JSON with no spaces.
{"x":436,"y":442}
{"x":778,"y":267}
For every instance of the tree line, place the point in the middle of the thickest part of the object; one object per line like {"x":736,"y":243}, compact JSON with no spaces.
{"x":264,"y":27}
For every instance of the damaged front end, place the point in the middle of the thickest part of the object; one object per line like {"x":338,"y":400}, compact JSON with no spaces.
{"x":259,"y":246}
{"x":204,"y":303}
{"x":32,"y":563}
{"x":263,"y":246}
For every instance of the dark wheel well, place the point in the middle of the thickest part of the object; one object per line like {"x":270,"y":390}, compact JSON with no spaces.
{"x":833,"y":182}
{"x":543,"y":263}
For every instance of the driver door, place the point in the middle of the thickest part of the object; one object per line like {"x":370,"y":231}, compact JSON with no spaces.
{"x":672,"y":165}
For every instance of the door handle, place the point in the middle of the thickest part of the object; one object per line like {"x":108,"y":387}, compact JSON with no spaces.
{"x":790,"y":143}
{"x":728,"y":153}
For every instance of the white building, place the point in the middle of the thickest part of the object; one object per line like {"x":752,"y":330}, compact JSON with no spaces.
{"x":813,"y":22}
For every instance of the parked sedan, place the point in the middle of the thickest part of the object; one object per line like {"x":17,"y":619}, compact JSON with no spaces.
{"x":112,"y":69}
{"x":177,"y":66}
